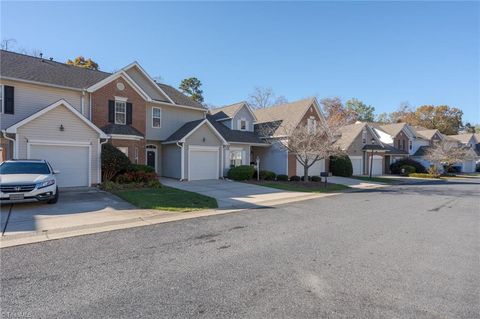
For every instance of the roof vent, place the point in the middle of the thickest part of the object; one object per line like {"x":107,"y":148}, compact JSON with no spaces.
{"x":41,"y":56}
{"x":51,"y":59}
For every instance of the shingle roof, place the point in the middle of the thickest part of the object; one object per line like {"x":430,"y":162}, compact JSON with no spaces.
{"x":426,"y":134}
{"x":393,"y":129}
{"x":290,"y":114}
{"x":226,"y":111}
{"x":422,"y":151}
{"x":348,"y":134}
{"x":183,"y":131}
{"x":121,"y":129}
{"x":178,"y":97}
{"x":25,"y":67}
{"x":463,"y":138}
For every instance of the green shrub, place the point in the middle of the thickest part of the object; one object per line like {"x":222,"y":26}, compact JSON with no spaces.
{"x":113,"y":161}
{"x":267,"y":175}
{"x":282,"y":177}
{"x":295,"y":178}
{"x":241,"y":173}
{"x":341,"y":166}
{"x":154,"y":184}
{"x":140,"y":168}
{"x":316,"y":178}
{"x":407,"y":169}
{"x":303,"y":178}
{"x":396,"y":168}
{"x":423,"y":175}
{"x":136,"y":177}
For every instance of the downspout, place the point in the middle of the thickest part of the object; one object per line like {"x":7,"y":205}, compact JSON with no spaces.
{"x":182,"y":162}
{"x":90,"y":107}
{"x":99,"y":170}
{"x":4,"y":132}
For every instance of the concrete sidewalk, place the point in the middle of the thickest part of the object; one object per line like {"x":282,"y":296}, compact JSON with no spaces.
{"x":355,"y":183}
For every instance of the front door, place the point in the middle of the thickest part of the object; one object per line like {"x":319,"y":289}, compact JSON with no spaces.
{"x":151,"y":158}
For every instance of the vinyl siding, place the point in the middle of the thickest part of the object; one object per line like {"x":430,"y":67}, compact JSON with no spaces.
{"x":245,"y":114}
{"x":46,"y":127}
{"x":30,"y":98}
{"x":273,"y":158}
{"x":197,"y":139}
{"x":173,"y":117}
{"x":171,"y":161}
{"x":146,"y":85}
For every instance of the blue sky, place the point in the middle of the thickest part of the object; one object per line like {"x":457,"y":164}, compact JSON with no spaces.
{"x":383,"y":53}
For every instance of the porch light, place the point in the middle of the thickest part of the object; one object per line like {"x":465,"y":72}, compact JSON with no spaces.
{"x":373,"y":141}
{"x":62,"y":128}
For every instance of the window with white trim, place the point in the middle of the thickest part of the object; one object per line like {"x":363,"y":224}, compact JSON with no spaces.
{"x":123,"y":149}
{"x":156,"y":117}
{"x":136,"y":155}
{"x":235,"y":158}
{"x":120,"y":112}
{"x":243,"y":125}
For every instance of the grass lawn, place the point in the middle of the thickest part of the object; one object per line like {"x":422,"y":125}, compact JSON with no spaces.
{"x":309,"y":187}
{"x":385,"y":180}
{"x":167,"y":198}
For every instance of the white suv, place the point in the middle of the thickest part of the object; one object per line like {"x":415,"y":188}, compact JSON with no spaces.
{"x":28,"y":179}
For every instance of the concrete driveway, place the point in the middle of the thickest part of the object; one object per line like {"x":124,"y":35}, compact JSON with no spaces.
{"x":230,"y":194}
{"x":76,"y":206}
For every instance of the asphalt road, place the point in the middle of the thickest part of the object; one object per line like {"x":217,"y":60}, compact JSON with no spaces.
{"x":402,"y":252}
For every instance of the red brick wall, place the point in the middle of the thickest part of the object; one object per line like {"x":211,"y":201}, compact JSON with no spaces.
{"x":100,"y":100}
{"x":292,"y":164}
{"x":401,"y":142}
{"x":131,"y":149}
{"x":101,"y":97}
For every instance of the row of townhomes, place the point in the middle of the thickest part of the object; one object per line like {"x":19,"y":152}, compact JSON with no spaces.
{"x":64,"y":114}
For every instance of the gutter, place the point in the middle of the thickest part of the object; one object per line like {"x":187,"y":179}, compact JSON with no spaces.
{"x":4,"y":132}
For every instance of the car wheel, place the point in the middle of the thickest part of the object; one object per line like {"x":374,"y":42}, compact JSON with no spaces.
{"x":55,"y":199}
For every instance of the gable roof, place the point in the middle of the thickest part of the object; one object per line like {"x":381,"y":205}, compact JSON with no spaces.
{"x":13,"y":128}
{"x":463,"y":138}
{"x":229,"y":111}
{"x":349,"y":133}
{"x":28,"y":68}
{"x":427,"y":134}
{"x":188,"y":128}
{"x":394,"y":128}
{"x":289,"y":114}
{"x":236,"y":136}
{"x":178,"y":97}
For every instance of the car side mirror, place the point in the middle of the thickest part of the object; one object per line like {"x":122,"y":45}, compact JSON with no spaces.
{"x":55,"y":171}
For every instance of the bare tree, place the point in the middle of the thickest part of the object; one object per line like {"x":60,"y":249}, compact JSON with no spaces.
{"x":447,"y":153}
{"x":8,"y":42}
{"x":264,"y":97}
{"x":309,"y":142}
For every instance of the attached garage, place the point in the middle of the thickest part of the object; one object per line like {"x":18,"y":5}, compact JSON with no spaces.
{"x":73,"y":161}
{"x":468,"y":166}
{"x":377,"y":165}
{"x":357,"y":165}
{"x":203,"y":162}
{"x":66,"y":139}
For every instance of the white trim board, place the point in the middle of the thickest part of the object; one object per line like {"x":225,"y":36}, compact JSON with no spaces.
{"x":198,"y":126}
{"x":13,"y":129}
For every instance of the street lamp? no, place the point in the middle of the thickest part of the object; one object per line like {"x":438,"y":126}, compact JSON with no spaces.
{"x":371,"y":157}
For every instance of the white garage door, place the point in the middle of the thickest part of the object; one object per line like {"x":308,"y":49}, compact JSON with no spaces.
{"x":314,"y":170}
{"x":71,"y":161}
{"x":203,"y":163}
{"x":377,"y":165}
{"x":468,"y":167}
{"x":357,"y":165}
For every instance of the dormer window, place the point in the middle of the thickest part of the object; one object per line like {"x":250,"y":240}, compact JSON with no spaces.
{"x":243,"y":125}
{"x":120,"y":112}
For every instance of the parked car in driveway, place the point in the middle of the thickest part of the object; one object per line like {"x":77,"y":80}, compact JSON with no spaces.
{"x":27,"y":180}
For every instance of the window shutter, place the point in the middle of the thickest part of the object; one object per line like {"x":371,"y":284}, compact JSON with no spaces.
{"x":111,"y":111}
{"x":8,"y":95}
{"x":129,"y":113}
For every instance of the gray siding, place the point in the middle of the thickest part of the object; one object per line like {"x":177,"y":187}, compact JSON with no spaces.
{"x":171,"y":161}
{"x":45,"y":128}
{"x":173,"y":117}
{"x":146,"y":85}
{"x":30,"y":98}
{"x":273,"y":158}
{"x":245,"y":114}
{"x":197,"y":139}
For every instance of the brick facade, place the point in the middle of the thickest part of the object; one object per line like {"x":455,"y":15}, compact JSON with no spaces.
{"x":401,"y":142}
{"x":100,"y":100}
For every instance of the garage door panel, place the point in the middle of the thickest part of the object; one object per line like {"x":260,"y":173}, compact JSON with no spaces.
{"x":357,"y":165}
{"x":71,"y":161}
{"x":203,"y":164}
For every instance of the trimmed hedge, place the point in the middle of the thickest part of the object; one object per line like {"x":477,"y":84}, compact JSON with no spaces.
{"x":267,"y":175}
{"x":282,"y":177}
{"x":241,"y":173}
{"x":113,"y":161}
{"x":408,"y":169}
{"x":396,"y":168}
{"x":140,"y":168}
{"x":316,"y":178}
{"x":341,"y":166}
{"x":295,"y":178}
{"x":303,"y":178}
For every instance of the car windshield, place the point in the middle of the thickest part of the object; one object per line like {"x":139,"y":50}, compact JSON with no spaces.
{"x":8,"y":168}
